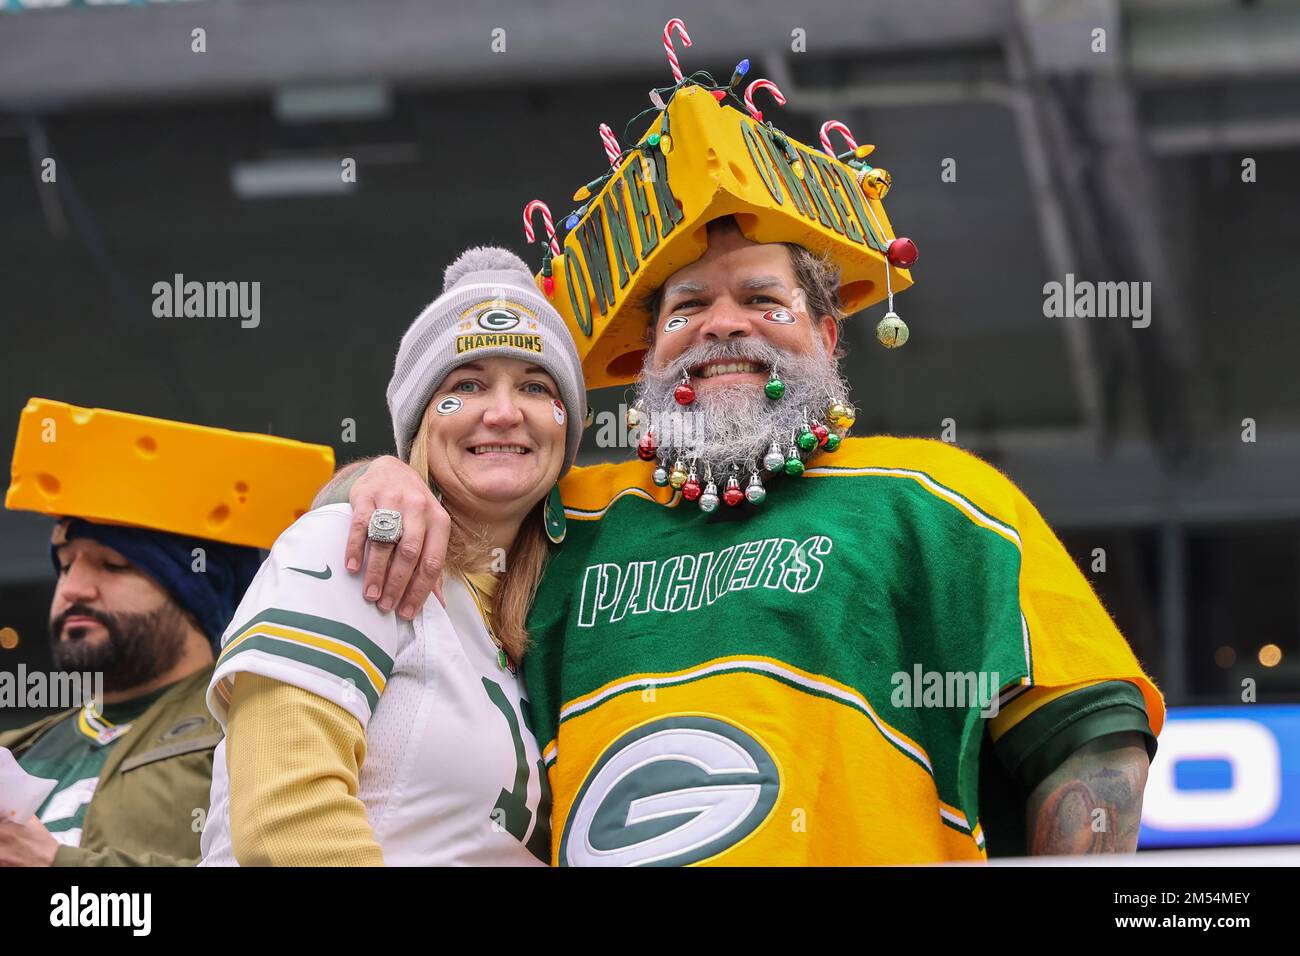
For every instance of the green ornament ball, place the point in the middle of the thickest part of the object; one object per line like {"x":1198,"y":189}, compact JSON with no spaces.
{"x":774,"y":389}
{"x":806,"y":440}
{"x":793,"y":466}
{"x":832,"y":442}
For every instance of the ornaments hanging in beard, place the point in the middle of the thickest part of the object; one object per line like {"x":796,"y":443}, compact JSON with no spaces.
{"x":727,"y":431}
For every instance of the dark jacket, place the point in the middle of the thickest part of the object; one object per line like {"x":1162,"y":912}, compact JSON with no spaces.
{"x":152,"y":797}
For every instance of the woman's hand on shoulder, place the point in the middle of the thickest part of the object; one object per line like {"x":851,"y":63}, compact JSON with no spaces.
{"x":400,"y":575}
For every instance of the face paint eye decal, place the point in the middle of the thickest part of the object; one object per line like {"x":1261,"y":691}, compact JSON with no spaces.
{"x":449,"y":405}
{"x":557,"y":411}
{"x":780,"y":317}
{"x":497,"y":320}
{"x":676,"y":322}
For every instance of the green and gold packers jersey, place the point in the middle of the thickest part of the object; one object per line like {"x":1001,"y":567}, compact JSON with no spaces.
{"x":811,"y":680}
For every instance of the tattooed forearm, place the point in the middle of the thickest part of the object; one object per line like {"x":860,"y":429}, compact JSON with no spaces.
{"x":1092,"y":803}
{"x":337,"y":489}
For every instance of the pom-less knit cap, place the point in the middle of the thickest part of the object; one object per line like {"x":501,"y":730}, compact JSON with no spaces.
{"x":490,"y":307}
{"x":211,"y":595}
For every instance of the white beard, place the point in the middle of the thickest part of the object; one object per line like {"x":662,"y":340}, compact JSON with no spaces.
{"x":734,"y":425}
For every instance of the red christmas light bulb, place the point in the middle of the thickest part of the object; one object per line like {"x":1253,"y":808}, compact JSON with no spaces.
{"x":733,"y":495}
{"x":548,"y":285}
{"x":646,"y":447}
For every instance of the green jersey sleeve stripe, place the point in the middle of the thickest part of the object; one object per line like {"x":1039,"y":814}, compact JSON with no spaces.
{"x":380,"y":658}
{"x":346,"y":672}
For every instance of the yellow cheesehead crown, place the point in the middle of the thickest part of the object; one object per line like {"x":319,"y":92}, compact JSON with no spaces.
{"x":701,"y":159}
{"x":118,"y":468}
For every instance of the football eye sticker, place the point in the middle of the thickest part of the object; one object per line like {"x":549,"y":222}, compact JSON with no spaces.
{"x":676,"y":322}
{"x":780,"y":316}
{"x":449,"y":405}
{"x":557,"y":411}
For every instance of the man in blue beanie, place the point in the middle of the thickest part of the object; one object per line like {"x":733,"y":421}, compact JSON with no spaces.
{"x":143,"y":608}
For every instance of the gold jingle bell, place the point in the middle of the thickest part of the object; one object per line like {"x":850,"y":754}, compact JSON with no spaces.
{"x":892,"y":331}
{"x":875,"y":182}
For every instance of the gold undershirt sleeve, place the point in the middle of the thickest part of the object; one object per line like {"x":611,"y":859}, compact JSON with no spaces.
{"x":294,"y":759}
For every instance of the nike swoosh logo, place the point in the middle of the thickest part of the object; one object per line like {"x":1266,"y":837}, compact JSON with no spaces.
{"x":323,"y":575}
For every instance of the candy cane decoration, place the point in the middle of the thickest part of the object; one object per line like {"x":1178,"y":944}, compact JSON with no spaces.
{"x":612,"y":149}
{"x":836,"y":126}
{"x":777,"y":95}
{"x":531,"y":208}
{"x":669,"y":27}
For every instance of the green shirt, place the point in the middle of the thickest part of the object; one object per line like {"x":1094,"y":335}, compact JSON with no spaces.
{"x":808,"y":680}
{"x":72,"y":753}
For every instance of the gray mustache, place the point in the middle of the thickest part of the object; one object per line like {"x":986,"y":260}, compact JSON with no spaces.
{"x":739,"y":350}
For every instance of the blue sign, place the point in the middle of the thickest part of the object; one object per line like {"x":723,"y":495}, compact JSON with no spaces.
{"x":1224,"y":776}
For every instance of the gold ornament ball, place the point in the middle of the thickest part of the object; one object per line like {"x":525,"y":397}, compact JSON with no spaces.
{"x":837,"y":413}
{"x":876,"y":182}
{"x":892,"y":331}
{"x":677,"y":478}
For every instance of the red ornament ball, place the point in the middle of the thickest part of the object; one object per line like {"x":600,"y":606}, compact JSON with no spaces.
{"x":646,"y":448}
{"x":822,"y":432}
{"x":691,"y":490}
{"x":902,"y":252}
{"x":548,"y":285}
{"x":733,"y":495}
{"x":684,"y":394}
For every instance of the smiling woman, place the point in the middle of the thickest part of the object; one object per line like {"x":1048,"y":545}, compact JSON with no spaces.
{"x":328,"y":700}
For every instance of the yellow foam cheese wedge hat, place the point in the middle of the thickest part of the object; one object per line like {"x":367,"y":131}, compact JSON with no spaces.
{"x":118,"y":468}
{"x":702,"y":158}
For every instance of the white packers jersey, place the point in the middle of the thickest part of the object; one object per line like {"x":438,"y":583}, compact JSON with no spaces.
{"x":452,"y":773}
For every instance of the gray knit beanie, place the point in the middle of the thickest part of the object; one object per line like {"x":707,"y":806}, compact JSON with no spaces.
{"x":490,"y":307}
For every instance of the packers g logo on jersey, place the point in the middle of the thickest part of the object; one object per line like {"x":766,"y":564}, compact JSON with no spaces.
{"x":677,"y":790}
{"x":497,"y":319}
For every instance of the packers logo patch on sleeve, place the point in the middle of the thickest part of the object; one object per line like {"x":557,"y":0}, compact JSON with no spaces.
{"x":674,"y":791}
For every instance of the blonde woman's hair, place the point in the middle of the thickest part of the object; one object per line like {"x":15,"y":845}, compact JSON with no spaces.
{"x":468,"y":550}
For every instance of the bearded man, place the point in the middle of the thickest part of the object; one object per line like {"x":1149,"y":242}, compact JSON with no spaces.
{"x":132,"y":772}
{"x":150,"y":564}
{"x":772,"y":682}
